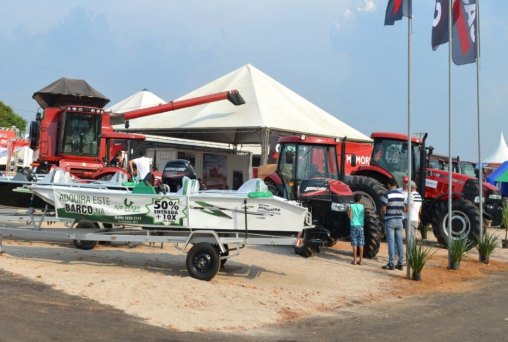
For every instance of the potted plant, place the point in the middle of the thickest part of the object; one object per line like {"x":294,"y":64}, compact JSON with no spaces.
{"x":424,"y":228}
{"x":458,"y":249}
{"x":418,"y":257}
{"x":504,"y":223}
{"x":486,"y":246}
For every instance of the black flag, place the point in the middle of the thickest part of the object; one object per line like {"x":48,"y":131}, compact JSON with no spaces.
{"x":464,"y":29}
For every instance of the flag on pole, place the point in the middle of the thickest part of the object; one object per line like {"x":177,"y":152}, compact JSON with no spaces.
{"x":396,"y":9}
{"x":464,"y":29}
{"x":440,"y":24}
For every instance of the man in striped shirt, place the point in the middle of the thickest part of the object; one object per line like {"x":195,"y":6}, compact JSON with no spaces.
{"x":413,"y":211}
{"x":393,"y":211}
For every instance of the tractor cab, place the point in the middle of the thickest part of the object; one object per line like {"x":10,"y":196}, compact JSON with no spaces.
{"x":306,"y":167}
{"x":390,"y":153}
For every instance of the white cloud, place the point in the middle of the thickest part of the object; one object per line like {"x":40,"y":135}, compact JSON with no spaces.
{"x":367,"y":6}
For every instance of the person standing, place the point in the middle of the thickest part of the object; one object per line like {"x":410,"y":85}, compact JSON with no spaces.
{"x":356,"y":218}
{"x":142,"y":164}
{"x":393,"y":210}
{"x":413,"y":212}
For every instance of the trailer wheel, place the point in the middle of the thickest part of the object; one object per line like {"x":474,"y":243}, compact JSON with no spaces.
{"x":85,"y":244}
{"x":372,"y":233}
{"x":203,"y":261}
{"x":465,"y":222}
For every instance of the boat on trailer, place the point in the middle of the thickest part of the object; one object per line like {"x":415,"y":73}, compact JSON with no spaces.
{"x":210,"y":224}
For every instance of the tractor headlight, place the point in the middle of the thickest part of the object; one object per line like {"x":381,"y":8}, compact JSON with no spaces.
{"x":340,"y":207}
{"x":495,"y":197}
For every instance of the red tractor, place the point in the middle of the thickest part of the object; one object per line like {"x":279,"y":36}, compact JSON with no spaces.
{"x":492,"y":198}
{"x":308,"y":170}
{"x":75,"y":133}
{"x":390,"y":160}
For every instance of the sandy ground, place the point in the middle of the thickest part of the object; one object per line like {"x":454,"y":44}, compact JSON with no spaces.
{"x":261,"y":285}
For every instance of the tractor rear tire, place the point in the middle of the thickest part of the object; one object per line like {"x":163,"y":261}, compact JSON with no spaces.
{"x":371,"y":190}
{"x":372,"y":233}
{"x":466,"y":221}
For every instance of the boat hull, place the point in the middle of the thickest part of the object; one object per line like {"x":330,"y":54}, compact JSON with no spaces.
{"x":216,"y":211}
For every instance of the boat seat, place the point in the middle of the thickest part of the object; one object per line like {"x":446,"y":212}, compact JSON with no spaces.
{"x":189,"y":186}
{"x":255,"y":188}
{"x":142,"y":188}
{"x":253,"y":185}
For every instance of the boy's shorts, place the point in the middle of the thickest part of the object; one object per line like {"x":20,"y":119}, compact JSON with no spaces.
{"x":357,"y":237}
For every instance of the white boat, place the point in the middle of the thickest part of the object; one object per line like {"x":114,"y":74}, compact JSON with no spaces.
{"x":251,"y":208}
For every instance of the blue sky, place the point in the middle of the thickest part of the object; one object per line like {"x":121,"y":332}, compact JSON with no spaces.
{"x":336,"y":54}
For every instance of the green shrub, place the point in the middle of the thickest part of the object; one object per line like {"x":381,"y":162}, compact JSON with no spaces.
{"x":486,"y":244}
{"x":418,"y":256}
{"x":458,"y":248}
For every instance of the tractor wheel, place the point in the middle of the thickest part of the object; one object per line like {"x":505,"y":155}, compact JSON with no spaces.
{"x":466,"y":221}
{"x":85,"y":244}
{"x":371,"y":230}
{"x":371,"y":190}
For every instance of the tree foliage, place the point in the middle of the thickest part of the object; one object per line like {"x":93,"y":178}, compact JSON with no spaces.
{"x":9,"y":118}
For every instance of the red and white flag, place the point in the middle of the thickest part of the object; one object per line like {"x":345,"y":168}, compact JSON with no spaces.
{"x":464,"y":29}
{"x":396,"y":9}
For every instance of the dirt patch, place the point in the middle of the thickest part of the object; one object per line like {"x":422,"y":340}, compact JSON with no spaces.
{"x":261,"y":285}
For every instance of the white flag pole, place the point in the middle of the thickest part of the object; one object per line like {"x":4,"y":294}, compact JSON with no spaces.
{"x":409,"y":237}
{"x":450,"y":8}
{"x":478,"y":113}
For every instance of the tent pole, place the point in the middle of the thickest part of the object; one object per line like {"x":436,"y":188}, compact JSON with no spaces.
{"x":265,"y":145}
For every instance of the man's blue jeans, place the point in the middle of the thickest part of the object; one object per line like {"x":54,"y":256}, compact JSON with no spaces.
{"x":394,"y":239}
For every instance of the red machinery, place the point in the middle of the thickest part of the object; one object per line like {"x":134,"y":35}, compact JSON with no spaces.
{"x":311,"y":170}
{"x":390,"y":160}
{"x":75,"y":133}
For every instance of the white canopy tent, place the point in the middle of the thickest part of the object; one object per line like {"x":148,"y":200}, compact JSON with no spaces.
{"x":270,"y":108}
{"x":139,"y":100}
{"x":500,"y":155}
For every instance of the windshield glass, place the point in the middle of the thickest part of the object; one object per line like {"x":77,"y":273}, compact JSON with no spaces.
{"x":303,"y":161}
{"x":80,"y":135}
{"x":467,"y":169}
{"x":391,"y":155}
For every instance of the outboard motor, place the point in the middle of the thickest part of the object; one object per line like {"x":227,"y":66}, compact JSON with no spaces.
{"x":174,"y":171}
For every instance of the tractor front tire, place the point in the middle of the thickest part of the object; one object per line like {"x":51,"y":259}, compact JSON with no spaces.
{"x":466,"y":221}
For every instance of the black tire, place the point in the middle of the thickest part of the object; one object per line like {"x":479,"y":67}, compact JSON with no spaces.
{"x":85,"y":244}
{"x":371,"y":190}
{"x":372,"y":233}
{"x":305,"y":251}
{"x":466,"y":221}
{"x":203,"y":261}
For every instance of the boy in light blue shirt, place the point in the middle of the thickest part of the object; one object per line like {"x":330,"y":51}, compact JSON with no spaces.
{"x":356,"y":217}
